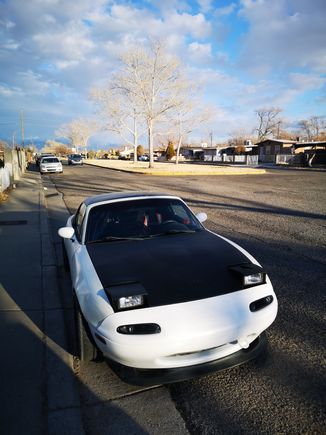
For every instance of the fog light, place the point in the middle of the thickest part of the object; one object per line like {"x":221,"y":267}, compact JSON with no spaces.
{"x":139,"y":328}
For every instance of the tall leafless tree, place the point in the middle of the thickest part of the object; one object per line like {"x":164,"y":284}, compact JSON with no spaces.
{"x":268,"y":122}
{"x":78,"y":132}
{"x":313,"y":127}
{"x":186,"y":119}
{"x":155,"y":84}
{"x":118,"y":114}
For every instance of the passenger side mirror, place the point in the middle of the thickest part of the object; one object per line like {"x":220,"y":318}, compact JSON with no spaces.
{"x":66,"y":232}
{"x":202,"y":217}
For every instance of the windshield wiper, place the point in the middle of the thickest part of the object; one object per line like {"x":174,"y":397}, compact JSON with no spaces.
{"x":115,"y":239}
{"x":170,"y":232}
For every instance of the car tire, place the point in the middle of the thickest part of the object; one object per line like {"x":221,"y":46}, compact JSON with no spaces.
{"x":86,"y":349}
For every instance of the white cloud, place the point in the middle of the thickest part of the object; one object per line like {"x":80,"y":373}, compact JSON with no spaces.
{"x":226,"y":10}
{"x":200,"y":53}
{"x":205,"y":5}
{"x":284,"y":34}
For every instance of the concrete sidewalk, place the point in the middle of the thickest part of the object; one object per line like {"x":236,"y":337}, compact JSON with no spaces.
{"x":38,"y":392}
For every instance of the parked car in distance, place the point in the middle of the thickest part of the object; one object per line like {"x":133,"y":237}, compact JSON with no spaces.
{"x":75,"y":159}
{"x":159,"y":296}
{"x":39,"y":157}
{"x":50,"y":164}
{"x":143,"y":158}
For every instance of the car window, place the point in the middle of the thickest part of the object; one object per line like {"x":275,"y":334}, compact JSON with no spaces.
{"x":78,"y":221}
{"x":140,"y":219}
{"x":50,"y":160}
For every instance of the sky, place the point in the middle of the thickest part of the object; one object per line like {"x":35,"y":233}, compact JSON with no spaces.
{"x":244,"y":55}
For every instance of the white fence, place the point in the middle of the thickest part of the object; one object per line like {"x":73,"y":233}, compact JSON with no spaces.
{"x":14,"y":166}
{"x":240,"y":159}
{"x":5,"y":174}
{"x":288,"y":159}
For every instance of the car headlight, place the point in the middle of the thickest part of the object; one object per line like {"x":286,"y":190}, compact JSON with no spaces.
{"x":130,"y":301}
{"x":249,"y":273}
{"x":254,"y":279}
{"x":127,"y":296}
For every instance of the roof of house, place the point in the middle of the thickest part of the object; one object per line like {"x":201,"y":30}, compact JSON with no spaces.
{"x":286,"y":141}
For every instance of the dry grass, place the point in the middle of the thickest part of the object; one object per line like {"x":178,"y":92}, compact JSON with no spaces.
{"x":3,"y":197}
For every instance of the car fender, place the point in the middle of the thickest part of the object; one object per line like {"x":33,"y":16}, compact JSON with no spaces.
{"x":91,"y":296}
{"x":89,"y":291}
{"x":243,"y":251}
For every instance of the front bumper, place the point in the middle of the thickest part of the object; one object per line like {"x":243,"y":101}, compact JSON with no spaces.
{"x":147,"y":377}
{"x":192,"y":333}
{"x":53,"y":170}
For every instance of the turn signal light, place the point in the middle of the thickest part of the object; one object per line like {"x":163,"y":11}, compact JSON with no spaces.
{"x":139,"y":328}
{"x":261,"y":303}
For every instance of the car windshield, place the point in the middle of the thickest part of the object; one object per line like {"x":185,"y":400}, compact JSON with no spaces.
{"x":76,"y":157}
{"x":140,"y":219}
{"x":50,"y":160}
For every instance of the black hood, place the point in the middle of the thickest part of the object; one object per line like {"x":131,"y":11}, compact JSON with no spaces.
{"x":171,"y":268}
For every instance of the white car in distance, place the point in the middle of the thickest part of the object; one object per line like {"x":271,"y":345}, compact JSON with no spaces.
{"x":50,"y":164}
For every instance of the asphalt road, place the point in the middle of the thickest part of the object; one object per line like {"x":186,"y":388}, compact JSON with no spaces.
{"x":280,"y":218}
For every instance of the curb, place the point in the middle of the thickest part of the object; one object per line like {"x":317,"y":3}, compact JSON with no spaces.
{"x":63,"y":402}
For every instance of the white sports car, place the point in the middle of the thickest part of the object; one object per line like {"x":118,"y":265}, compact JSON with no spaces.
{"x":158,"y":295}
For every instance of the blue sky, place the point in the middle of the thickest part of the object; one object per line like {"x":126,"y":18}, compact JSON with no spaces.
{"x":245,"y":54}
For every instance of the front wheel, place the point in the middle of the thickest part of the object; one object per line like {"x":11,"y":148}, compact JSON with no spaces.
{"x":86,"y":349}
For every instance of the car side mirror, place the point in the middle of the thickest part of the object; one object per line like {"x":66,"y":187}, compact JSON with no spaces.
{"x":202,"y":217}
{"x":66,"y":232}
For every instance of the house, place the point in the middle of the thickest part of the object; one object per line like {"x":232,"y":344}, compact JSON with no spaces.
{"x":283,"y":150}
{"x":202,"y":152}
{"x":269,"y":148}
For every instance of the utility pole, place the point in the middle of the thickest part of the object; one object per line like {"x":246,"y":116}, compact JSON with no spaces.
{"x":22,"y":125}
{"x":211,"y":138}
{"x":13,"y":140}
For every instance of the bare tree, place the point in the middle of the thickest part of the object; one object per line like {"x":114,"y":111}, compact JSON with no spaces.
{"x":186,"y":119}
{"x":78,"y":132}
{"x":269,"y":122}
{"x":118,"y":114}
{"x":155,"y":84}
{"x":313,"y":128}
{"x":70,"y":132}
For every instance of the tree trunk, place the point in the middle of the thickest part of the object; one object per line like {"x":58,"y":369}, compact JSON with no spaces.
{"x":178,"y":150}
{"x":310,"y":160}
{"x":135,"y":140}
{"x":150,"y":143}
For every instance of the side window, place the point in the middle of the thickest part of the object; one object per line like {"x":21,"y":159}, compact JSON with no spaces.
{"x":182,"y":215}
{"x":180,"y":212}
{"x":78,"y":221}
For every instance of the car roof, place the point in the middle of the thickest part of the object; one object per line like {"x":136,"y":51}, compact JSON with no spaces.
{"x":123,"y":195}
